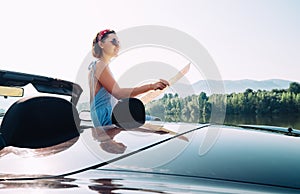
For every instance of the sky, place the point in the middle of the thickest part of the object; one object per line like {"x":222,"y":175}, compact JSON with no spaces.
{"x":247,"y":39}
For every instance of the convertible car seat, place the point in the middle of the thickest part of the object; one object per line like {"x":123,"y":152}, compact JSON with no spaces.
{"x":128,"y":113}
{"x":40,"y":121}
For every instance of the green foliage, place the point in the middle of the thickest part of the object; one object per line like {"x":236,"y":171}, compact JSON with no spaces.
{"x":294,"y":88}
{"x":198,"y":108}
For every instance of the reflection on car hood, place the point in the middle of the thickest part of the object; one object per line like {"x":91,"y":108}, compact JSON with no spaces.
{"x":231,"y":155}
{"x":225,"y":153}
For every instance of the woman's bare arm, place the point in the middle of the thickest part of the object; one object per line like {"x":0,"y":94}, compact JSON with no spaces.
{"x":107,"y":81}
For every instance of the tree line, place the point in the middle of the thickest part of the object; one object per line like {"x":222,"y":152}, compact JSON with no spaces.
{"x":198,"y":108}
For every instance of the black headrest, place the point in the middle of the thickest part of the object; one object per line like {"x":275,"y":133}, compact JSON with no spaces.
{"x":128,"y":113}
{"x":40,"y":122}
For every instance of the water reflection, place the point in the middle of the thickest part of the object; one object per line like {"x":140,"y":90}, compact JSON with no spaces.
{"x":109,"y":186}
{"x":105,"y":186}
{"x":58,"y":183}
{"x":292,"y":121}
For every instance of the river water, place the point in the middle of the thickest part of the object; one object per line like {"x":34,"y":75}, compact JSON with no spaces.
{"x":292,"y":121}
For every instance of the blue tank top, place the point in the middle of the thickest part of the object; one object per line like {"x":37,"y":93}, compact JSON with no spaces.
{"x":102,"y":103}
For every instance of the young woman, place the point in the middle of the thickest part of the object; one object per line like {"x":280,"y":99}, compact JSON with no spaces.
{"x":103,"y":86}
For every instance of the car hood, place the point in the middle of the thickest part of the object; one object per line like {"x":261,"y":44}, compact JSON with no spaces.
{"x":215,"y":152}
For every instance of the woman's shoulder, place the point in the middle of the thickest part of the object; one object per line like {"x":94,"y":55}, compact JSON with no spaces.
{"x":100,"y":63}
{"x":96,"y":65}
{"x":100,"y":67}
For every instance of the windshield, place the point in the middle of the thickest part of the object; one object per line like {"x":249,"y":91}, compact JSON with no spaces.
{"x":29,"y":91}
{"x":34,"y":85}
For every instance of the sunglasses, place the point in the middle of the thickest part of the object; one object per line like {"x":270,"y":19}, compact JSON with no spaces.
{"x":115,"y":42}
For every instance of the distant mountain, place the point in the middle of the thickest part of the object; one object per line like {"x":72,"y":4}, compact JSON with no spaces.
{"x":231,"y":86}
{"x":242,"y":85}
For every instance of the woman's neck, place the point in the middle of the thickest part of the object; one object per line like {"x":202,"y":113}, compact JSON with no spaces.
{"x":105,"y":59}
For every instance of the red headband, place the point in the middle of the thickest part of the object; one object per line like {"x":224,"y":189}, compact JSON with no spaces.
{"x":102,"y":33}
